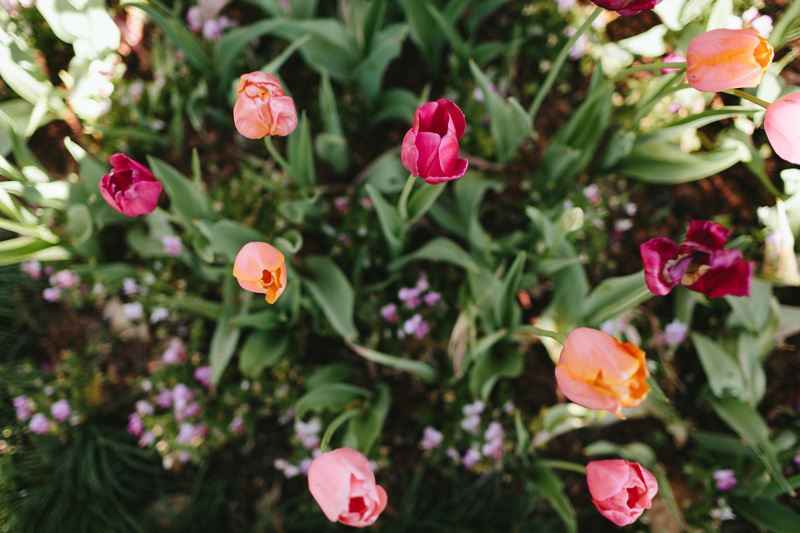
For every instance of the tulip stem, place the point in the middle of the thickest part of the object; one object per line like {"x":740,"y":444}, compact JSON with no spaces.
{"x":555,"y":68}
{"x":333,"y":426}
{"x":750,"y":97}
{"x":402,"y":206}
{"x":563,"y":465}
{"x":648,"y":66}
{"x":276,"y":155}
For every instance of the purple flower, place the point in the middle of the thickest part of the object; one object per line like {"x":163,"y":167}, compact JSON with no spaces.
{"x":194,"y":18}
{"x":32,"y":268}
{"x":471,"y":423}
{"x":185,"y":433}
{"x":410,"y":297}
{"x":415,"y":326}
{"x":212,"y":30}
{"x":471,"y":458}
{"x":172,"y":245}
{"x":365,"y":202}
{"x":716,"y":271}
{"x":60,"y":410}
{"x":508,"y":407}
{"x":135,"y":425}
{"x":422,"y":285}
{"x":158,"y":314}
{"x":22,"y":409}
{"x":144,"y":408}
{"x":39,"y":424}
{"x":129,"y":286}
{"x":175,"y":352}
{"x":389,"y":313}
{"x":474,"y":408}
{"x":494,"y":431}
{"x":725,"y":479}
{"x":51,"y":294}
{"x":147,"y":438}
{"x":493,"y":448}
{"x":203,"y":375}
{"x":675,"y":332}
{"x":453,"y":454}
{"x":237,"y":425}
{"x":181,"y":396}
{"x":431,"y":438}
{"x":192,"y":410}
{"x":342,"y":204}
{"x":626,"y":7}
{"x":673,"y":58}
{"x":133,"y":310}
{"x":308,"y":432}
{"x":432,"y":298}
{"x":65,"y":279}
{"x":164,"y":399}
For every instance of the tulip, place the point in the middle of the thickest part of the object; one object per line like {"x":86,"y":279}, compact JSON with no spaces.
{"x":262,"y":107}
{"x":621,"y":490}
{"x":130,"y":187}
{"x":597,"y":371}
{"x":626,"y":7}
{"x":259,"y":267}
{"x":430,"y":147}
{"x":782,"y":124}
{"x":343,"y":484}
{"x":715,"y":271}
{"x":722,"y":59}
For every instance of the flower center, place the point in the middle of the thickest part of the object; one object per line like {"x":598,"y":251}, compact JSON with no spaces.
{"x":357,"y":505}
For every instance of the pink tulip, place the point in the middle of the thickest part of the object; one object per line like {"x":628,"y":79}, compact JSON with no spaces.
{"x":782,"y":124}
{"x":621,"y":490}
{"x":430,"y":147}
{"x":626,"y":7}
{"x":260,"y":267}
{"x":343,"y":484}
{"x":262,"y":107}
{"x":722,"y":59}
{"x":130,"y":187}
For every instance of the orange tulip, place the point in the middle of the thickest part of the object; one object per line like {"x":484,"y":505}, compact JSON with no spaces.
{"x":262,"y":107}
{"x":597,"y":371}
{"x":259,"y":267}
{"x":718,"y":60}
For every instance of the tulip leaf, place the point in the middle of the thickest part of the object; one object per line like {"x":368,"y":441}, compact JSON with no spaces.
{"x":421,"y":369}
{"x":422,"y":200}
{"x":457,"y":43}
{"x":438,"y":249}
{"x":493,"y":366}
{"x":226,"y":335}
{"x":20,"y":70}
{"x":332,"y":292}
{"x":91,"y":170}
{"x":370,"y":71}
{"x":722,"y":370}
{"x":20,"y":249}
{"x":506,"y":309}
{"x":265,"y":320}
{"x":766,"y":513}
{"x":748,"y":424}
{"x":753,"y":311}
{"x":395,"y":104}
{"x":299,"y":150}
{"x":228,"y":237}
{"x":363,"y":431}
{"x":330,"y":48}
{"x":230,"y":47}
{"x":389,"y":219}
{"x":262,"y":349}
{"x":665,"y":163}
{"x":79,"y":223}
{"x":187,"y":199}
{"x":328,"y":397}
{"x":552,"y":489}
{"x":613,"y":297}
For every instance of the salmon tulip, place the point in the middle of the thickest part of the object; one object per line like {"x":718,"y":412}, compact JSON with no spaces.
{"x":782,"y":124}
{"x":597,"y":371}
{"x":262,"y":107}
{"x":130,"y":187}
{"x":343,"y":484}
{"x":621,"y":490}
{"x":260,"y":267}
{"x":722,"y":59}
{"x":430,"y":147}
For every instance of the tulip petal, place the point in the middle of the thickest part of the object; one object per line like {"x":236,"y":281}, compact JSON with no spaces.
{"x":705,"y":236}
{"x":248,"y":119}
{"x":427,"y":144}
{"x":782,"y":124}
{"x":410,"y":154}
{"x":723,"y":59}
{"x":582,"y":393}
{"x":733,"y":280}
{"x":655,"y":254}
{"x":284,"y":115}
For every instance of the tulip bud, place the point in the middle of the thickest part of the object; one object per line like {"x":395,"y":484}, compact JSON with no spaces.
{"x":621,"y":490}
{"x":782,"y":124}
{"x":130,"y":187}
{"x":259,"y":267}
{"x":722,"y":59}
{"x":430,"y":147}
{"x":262,"y":107}
{"x":626,"y":7}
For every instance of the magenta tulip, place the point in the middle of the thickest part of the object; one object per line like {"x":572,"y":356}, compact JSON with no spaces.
{"x":626,"y":7}
{"x":130,"y":187}
{"x":430,"y":147}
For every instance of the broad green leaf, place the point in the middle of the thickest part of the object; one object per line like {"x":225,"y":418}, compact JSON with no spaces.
{"x":228,"y":237}
{"x":331,"y":397}
{"x":767,"y":514}
{"x":20,"y":249}
{"x":330,"y":48}
{"x":438,"y":249}
{"x":226,"y":335}
{"x":551,"y":487}
{"x":262,"y":349}
{"x":389,"y":219}
{"x":457,"y":43}
{"x":328,"y":105}
{"x":20,"y":70}
{"x":722,"y":370}
{"x":177,"y":32}
{"x":421,"y":369}
{"x":750,"y":363}
{"x":493,"y":366}
{"x":395,"y":104}
{"x":231,"y":45}
{"x":370,"y":71}
{"x":753,"y":311}
{"x":299,"y":151}
{"x":89,"y":28}
{"x":264,"y":320}
{"x":422,"y":200}
{"x":363,"y":431}
{"x":332,"y":149}
{"x":332,"y":292}
{"x":423,"y":31}
{"x":667,"y":164}
{"x":506,"y":309}
{"x":91,"y":170}
{"x":634,"y":451}
{"x":79,"y":223}
{"x":331,"y":373}
{"x":187,"y":200}
{"x":613,"y":297}
{"x":197,"y":306}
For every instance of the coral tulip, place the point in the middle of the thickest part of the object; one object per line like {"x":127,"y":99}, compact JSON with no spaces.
{"x":716,"y":271}
{"x":430,"y":147}
{"x":343,"y":484}
{"x":782,"y":124}
{"x":259,"y":267}
{"x":597,"y":371}
{"x":262,"y":107}
{"x":130,"y":187}
{"x":626,"y":7}
{"x":621,"y":490}
{"x":722,"y":59}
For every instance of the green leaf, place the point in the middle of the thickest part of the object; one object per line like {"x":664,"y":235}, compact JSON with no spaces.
{"x":422,"y":200}
{"x":750,"y":364}
{"x":226,"y":335}
{"x":753,"y":311}
{"x":299,"y":151}
{"x":197,"y":306}
{"x":265,"y":320}
{"x":91,"y":170}
{"x":79,"y":223}
{"x":613,"y":297}
{"x":389,"y":219}
{"x":228,"y":237}
{"x":231,"y":45}
{"x":20,"y":70}
{"x":438,"y":249}
{"x":722,"y":370}
{"x":667,"y":164}
{"x":332,"y":149}
{"x":457,"y":44}
{"x":364,"y":431}
{"x":551,"y":487}
{"x":328,"y":397}
{"x":261,"y":350}
{"x":187,"y":199}
{"x":327,"y":104}
{"x":332,"y":292}
{"x":395,"y":104}
{"x":370,"y":71}
{"x":506,"y":310}
{"x":331,"y":373}
{"x":749,"y":425}
{"x":331,"y":48}
{"x":422,"y":370}
{"x":20,"y":249}
{"x":493,"y":366}
{"x":767,"y":514}
{"x":177,"y":32}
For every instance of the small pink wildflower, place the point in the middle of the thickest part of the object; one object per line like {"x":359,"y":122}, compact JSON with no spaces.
{"x":39,"y":424}
{"x":60,"y":410}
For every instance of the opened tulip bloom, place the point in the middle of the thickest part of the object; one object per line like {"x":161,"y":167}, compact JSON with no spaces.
{"x":130,"y":187}
{"x":621,"y":490}
{"x":260,"y":267}
{"x":343,"y":484}
{"x":430,"y":147}
{"x":262,"y":107}
{"x":719,"y":60}
{"x":626,"y":7}
{"x":700,"y":263}
{"x":782,"y":124}
{"x":597,"y":371}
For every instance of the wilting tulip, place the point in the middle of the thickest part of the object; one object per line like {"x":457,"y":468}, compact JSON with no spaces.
{"x":715,"y":271}
{"x":430,"y":147}
{"x":262,"y":107}
{"x":343,"y":484}
{"x":259,"y":267}
{"x":722,"y":59}
{"x":130,"y":187}
{"x":597,"y":371}
{"x":782,"y":124}
{"x":626,"y":7}
{"x":621,"y":490}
